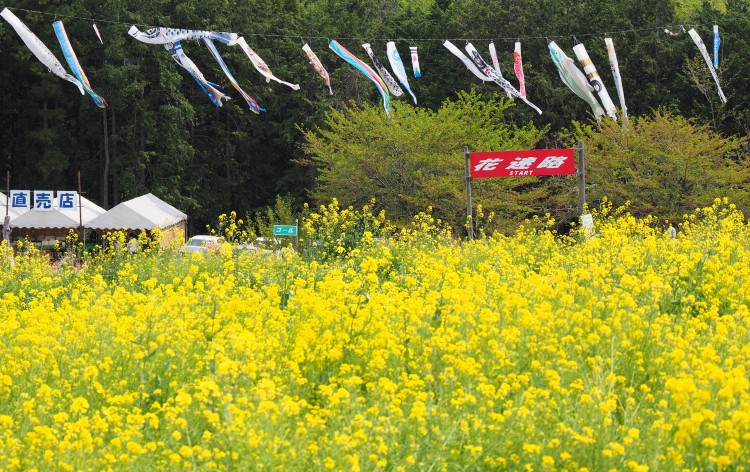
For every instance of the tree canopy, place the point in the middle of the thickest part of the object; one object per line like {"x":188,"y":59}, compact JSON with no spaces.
{"x":160,"y":134}
{"x":663,"y":164}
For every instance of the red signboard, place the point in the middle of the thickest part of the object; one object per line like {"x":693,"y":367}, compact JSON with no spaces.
{"x":519,"y":163}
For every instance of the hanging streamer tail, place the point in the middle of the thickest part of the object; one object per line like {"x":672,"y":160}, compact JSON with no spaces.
{"x":616,"y":76}
{"x":496,"y":63}
{"x":704,"y":52}
{"x":387,"y":78}
{"x":717,"y":42}
{"x":250,"y":101}
{"x":175,"y":49}
{"x":596,"y":82}
{"x":397,"y":66}
{"x":467,"y":62}
{"x":415,"y":62}
{"x":96,"y":30}
{"x":575,"y":79}
{"x":518,"y":69}
{"x":487,"y":70}
{"x":261,"y":66}
{"x":75,"y":66}
{"x":366,"y":70}
{"x":39,"y":49}
{"x":318,"y":66}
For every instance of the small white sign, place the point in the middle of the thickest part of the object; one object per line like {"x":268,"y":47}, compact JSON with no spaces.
{"x":44,"y":200}
{"x":20,"y":199}
{"x":587,"y":223}
{"x":67,"y":200}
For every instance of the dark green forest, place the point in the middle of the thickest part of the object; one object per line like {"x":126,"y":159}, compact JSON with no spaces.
{"x":161,"y":134}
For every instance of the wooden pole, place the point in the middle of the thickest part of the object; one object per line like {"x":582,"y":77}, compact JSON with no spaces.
{"x":80,"y":209}
{"x":6,"y":221}
{"x":469,"y":212}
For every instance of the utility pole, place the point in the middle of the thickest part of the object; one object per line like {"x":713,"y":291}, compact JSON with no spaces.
{"x":469,"y":212}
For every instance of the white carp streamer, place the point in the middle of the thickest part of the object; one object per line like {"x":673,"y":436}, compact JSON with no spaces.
{"x":616,"y":76}
{"x":415,"y":62}
{"x":162,"y":35}
{"x":398,"y":68}
{"x":596,"y":82}
{"x":702,"y":48}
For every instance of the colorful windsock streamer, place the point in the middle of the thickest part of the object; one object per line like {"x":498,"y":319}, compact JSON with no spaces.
{"x":398,"y":68}
{"x":415,"y":61}
{"x":616,"y":76}
{"x":175,"y":49}
{"x":467,"y":62}
{"x":487,"y":70}
{"x":318,"y":66}
{"x":250,"y":100}
{"x":717,"y":43}
{"x":75,"y":66}
{"x":702,"y":48}
{"x":596,"y":82}
{"x":161,"y":35}
{"x":575,"y":79}
{"x":37,"y":47}
{"x":366,"y":70}
{"x":96,"y":30}
{"x":261,"y":66}
{"x":388,"y":79}
{"x":518,"y":69}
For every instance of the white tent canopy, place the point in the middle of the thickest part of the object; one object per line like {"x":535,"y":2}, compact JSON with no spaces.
{"x":146,"y":212}
{"x":13,"y":213}
{"x":58,"y":218}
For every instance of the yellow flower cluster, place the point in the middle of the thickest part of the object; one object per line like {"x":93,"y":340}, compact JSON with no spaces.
{"x":623,"y":350}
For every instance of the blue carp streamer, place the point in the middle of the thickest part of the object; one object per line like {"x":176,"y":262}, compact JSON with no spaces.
{"x":75,"y":66}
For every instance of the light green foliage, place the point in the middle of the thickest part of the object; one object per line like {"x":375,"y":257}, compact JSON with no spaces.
{"x":689,"y":9}
{"x":414,"y":159}
{"x":664,"y":164}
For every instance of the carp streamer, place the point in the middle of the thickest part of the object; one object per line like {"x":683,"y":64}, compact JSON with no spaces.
{"x":366,"y":70}
{"x":250,"y":101}
{"x":75,"y":66}
{"x":38,"y":48}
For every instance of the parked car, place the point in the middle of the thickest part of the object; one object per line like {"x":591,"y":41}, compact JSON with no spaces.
{"x":202,"y":243}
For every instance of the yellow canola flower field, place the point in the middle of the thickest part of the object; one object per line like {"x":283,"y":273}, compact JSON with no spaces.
{"x":626,"y":350}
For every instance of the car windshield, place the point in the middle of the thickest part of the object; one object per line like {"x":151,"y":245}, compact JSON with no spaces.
{"x":197,"y":242}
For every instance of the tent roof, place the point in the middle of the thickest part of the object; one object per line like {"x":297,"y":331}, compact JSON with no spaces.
{"x":11,"y":212}
{"x":144,"y":212}
{"x":58,"y":218}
